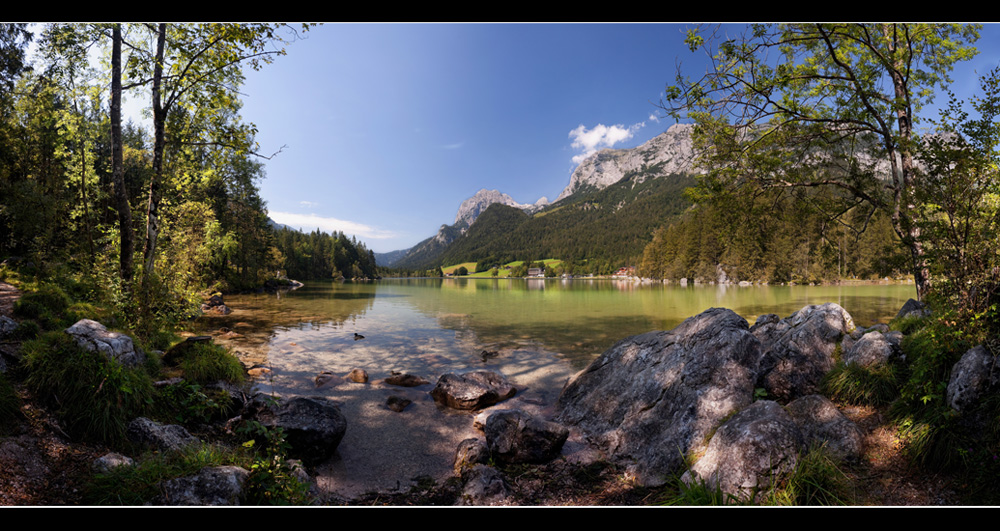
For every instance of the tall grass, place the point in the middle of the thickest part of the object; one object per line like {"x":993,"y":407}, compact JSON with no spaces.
{"x":94,"y":397}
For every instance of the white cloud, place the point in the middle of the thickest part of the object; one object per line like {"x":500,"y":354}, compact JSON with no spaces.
{"x":310,"y":222}
{"x":601,"y":136}
{"x":308,"y":204}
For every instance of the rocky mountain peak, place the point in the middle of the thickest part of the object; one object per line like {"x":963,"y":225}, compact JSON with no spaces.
{"x":470,"y":209}
{"x":674,"y":148}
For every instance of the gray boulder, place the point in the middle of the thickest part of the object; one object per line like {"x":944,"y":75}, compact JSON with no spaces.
{"x":913,"y":308}
{"x":110,"y":461}
{"x":313,"y":427}
{"x":873,"y":349}
{"x":974,"y":375}
{"x":211,"y":486}
{"x":750,"y":452}
{"x":514,"y":436}
{"x":92,"y":336}
{"x":471,"y":451}
{"x":798,"y":350}
{"x":821,"y":423}
{"x":472,"y":390}
{"x":653,"y":398}
{"x":144,"y":431}
{"x":483,"y":485}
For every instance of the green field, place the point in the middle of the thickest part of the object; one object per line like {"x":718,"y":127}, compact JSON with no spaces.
{"x":504,"y":271}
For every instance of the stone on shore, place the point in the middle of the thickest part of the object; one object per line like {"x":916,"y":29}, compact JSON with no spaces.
{"x":652,"y":399}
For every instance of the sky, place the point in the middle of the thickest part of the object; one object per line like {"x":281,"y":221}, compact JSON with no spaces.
{"x":384,"y":129}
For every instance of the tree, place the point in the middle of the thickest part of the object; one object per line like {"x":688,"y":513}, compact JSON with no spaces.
{"x":959,"y":198}
{"x":800,"y":106}
{"x":199,"y":64}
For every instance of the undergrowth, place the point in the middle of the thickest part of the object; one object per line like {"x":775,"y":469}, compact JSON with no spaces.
{"x":93,"y":396}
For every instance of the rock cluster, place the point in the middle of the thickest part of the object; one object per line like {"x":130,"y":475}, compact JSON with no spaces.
{"x":692,"y":390}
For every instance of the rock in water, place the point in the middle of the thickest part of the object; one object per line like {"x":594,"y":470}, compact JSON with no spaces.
{"x":472,"y":390}
{"x":651,"y":399}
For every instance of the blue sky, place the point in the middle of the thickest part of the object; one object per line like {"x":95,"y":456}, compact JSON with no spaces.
{"x":387,"y":128}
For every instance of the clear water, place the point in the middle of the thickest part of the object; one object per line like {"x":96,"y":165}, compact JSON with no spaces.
{"x":441,"y":325}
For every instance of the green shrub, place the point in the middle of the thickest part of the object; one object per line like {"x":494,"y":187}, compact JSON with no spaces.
{"x":272,"y":479}
{"x":139,"y":484}
{"x":47,"y":305}
{"x":93,"y":396}
{"x":208,"y":363}
{"x":854,"y":384}
{"x":189,"y":404}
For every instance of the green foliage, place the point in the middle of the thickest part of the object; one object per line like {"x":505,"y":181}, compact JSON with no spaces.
{"x":208,"y":363}
{"x":820,"y":107}
{"x":140,"y":484}
{"x":93,"y":397}
{"x":272,"y":478}
{"x":854,"y":384}
{"x":189,"y":404}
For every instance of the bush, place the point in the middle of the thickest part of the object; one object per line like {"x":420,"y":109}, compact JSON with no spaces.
{"x":208,"y":363}
{"x":93,"y":396}
{"x":857,"y":385}
{"x":189,"y":404}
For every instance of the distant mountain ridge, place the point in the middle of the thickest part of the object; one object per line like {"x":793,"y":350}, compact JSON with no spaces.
{"x":670,"y":153}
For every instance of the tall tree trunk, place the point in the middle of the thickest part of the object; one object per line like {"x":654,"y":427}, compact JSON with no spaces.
{"x":159,"y":142}
{"x":117,"y":164}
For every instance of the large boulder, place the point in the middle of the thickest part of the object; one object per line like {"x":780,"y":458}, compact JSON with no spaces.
{"x":472,"y":390}
{"x":514,"y":436}
{"x":822,"y":424}
{"x":313,"y":427}
{"x":92,"y":336}
{"x":874,"y":349}
{"x":973,"y":376}
{"x":653,"y":398}
{"x":211,"y":486}
{"x":798,"y":350}
{"x":750,"y":452}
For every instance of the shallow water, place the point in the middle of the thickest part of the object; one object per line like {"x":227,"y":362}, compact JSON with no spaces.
{"x":443,"y":325}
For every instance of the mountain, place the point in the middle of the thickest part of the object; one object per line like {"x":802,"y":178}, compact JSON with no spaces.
{"x":605,"y":227}
{"x":608,"y":210}
{"x":428,"y":250}
{"x":673,"y":149}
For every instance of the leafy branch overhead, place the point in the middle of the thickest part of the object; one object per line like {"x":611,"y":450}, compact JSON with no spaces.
{"x":799,"y":106}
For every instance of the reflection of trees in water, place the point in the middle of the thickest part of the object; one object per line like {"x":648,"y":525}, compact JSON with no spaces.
{"x":258,"y":317}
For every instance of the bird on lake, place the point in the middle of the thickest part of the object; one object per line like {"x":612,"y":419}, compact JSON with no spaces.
{"x":358,"y":336}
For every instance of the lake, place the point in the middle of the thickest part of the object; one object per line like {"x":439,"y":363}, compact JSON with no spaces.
{"x":445,"y":324}
{"x":544,"y":332}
